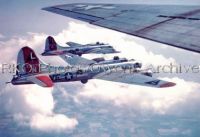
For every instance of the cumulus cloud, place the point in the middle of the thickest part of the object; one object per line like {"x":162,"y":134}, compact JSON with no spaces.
{"x":10,"y":47}
{"x":140,"y":98}
{"x":36,"y":41}
{"x":58,"y":122}
{"x":33,"y":106}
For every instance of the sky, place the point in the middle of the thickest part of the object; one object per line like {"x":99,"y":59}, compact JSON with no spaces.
{"x":98,"y":108}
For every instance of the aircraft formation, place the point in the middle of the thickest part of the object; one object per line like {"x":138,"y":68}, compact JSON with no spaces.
{"x":31,"y":70}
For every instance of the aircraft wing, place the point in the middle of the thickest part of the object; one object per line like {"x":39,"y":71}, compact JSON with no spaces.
{"x":73,"y":44}
{"x":97,"y":51}
{"x":41,"y":80}
{"x":134,"y":78}
{"x":72,"y":59}
{"x":177,"y":26}
{"x":102,"y":51}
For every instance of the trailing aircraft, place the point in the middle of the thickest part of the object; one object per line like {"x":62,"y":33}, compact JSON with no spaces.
{"x":31,"y":70}
{"x":69,"y":54}
{"x":52,"y":48}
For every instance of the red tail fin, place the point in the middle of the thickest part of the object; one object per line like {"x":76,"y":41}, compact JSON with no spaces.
{"x":27,"y":61}
{"x":50,"y":44}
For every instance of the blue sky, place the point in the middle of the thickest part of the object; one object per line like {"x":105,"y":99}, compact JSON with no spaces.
{"x":98,"y":108}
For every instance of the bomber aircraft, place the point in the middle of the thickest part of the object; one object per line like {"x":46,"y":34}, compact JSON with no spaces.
{"x":31,"y":70}
{"x":52,"y":48}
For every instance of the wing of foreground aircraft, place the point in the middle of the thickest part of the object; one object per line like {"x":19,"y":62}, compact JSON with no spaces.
{"x":177,"y":26}
{"x":135,"y":78}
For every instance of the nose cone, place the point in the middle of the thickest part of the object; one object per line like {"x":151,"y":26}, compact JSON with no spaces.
{"x":168,"y":84}
{"x":43,"y":54}
{"x":14,"y":81}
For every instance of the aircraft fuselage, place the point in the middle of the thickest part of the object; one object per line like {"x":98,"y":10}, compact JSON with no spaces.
{"x":79,"y":50}
{"x":83,"y":74}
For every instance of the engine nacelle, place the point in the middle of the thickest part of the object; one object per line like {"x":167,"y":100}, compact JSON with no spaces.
{"x":148,"y":73}
{"x":138,"y":65}
{"x":98,"y":59}
{"x":116,"y":58}
{"x":84,"y":81}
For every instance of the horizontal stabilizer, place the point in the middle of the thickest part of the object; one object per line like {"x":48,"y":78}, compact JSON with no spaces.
{"x":41,"y":80}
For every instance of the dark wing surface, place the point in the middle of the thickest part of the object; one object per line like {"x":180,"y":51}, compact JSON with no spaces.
{"x":177,"y":26}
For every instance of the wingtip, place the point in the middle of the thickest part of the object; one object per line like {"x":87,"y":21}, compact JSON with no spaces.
{"x":46,"y":8}
{"x":168,"y":84}
{"x":117,"y":51}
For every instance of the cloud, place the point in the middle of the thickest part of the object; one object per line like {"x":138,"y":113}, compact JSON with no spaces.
{"x":10,"y":47}
{"x":36,"y":41}
{"x":58,"y":123}
{"x":140,"y":98}
{"x":33,"y":106}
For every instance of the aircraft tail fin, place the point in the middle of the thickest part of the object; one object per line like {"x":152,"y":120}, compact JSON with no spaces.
{"x":52,"y":48}
{"x":50,"y":44}
{"x":28,"y":62}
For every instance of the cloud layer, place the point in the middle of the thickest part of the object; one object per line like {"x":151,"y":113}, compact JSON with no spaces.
{"x":33,"y":106}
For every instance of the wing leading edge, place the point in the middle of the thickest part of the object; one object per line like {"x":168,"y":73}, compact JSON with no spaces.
{"x":177,"y":26}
